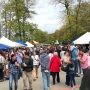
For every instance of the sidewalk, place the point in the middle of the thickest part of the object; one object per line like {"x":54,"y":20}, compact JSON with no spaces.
{"x":38,"y":84}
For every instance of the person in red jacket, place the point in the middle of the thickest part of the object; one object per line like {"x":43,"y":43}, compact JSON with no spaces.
{"x":55,"y":65}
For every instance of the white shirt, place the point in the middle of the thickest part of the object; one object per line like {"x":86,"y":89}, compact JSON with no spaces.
{"x":35,"y":59}
{"x":50,"y":55}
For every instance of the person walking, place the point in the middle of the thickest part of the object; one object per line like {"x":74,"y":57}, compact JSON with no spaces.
{"x":83,"y":58}
{"x":65,"y":63}
{"x":55,"y":65}
{"x":71,"y":74}
{"x":74,"y":56}
{"x":36,"y":61}
{"x":27,"y":65}
{"x":13,"y":72}
{"x":45,"y":68}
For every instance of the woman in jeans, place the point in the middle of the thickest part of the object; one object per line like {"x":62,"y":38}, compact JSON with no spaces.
{"x":71,"y":74}
{"x":66,"y":61}
{"x":14,"y":72}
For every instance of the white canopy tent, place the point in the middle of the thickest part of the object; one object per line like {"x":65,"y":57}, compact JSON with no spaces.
{"x":10,"y":43}
{"x":29,"y":44}
{"x":84,"y":39}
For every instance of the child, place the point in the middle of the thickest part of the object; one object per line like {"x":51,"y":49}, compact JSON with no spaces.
{"x":72,"y":74}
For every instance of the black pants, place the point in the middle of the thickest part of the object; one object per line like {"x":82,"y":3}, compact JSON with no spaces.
{"x":67,"y":78}
{"x":54,"y":74}
{"x":85,"y":84}
{"x":1,"y":74}
{"x":76,"y":66}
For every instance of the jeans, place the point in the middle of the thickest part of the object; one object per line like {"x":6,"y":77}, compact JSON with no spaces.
{"x":79,"y":68}
{"x":67,"y":78}
{"x":46,"y":80}
{"x":75,"y":66}
{"x":11,"y":78}
{"x":72,"y":79}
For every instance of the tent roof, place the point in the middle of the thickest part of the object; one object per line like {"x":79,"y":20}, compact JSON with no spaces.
{"x":21,"y":42}
{"x":84,"y":39}
{"x":4,"y":46}
{"x":29,"y":44}
{"x":8,"y":42}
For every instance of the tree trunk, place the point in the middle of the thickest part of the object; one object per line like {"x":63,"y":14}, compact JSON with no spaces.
{"x":6,"y":24}
{"x":10,"y":15}
{"x":24,"y":36}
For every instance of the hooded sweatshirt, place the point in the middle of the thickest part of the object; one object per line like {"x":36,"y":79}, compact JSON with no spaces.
{"x":45,"y":62}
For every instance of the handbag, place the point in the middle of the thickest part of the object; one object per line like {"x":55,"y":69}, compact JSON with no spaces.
{"x":64,"y":68}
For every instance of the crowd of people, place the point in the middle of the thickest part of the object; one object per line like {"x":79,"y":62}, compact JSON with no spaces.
{"x":25,"y":62}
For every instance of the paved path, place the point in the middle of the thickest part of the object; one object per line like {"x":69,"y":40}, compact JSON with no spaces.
{"x":37,"y":85}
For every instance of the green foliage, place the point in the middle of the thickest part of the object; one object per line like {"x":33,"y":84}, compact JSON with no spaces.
{"x":40,"y":36}
{"x":79,"y":24}
{"x":15,"y":14}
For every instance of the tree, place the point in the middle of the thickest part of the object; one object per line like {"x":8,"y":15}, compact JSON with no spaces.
{"x":17,"y":13}
{"x":67,"y":4}
{"x":40,"y":36}
{"x":80,"y":23}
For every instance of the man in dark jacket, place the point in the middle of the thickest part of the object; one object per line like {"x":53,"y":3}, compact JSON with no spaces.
{"x":27,"y":66}
{"x":45,"y":69}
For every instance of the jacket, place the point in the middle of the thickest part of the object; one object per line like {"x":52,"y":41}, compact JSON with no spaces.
{"x":29,"y":63}
{"x":74,"y":54}
{"x":45,"y":61}
{"x":55,"y":64}
{"x":13,"y":69}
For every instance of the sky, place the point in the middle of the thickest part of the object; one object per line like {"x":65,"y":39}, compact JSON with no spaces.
{"x":49,"y":16}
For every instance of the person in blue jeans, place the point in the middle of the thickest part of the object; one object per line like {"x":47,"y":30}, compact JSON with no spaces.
{"x":14,"y":72}
{"x":74,"y":56}
{"x":46,"y":79}
{"x":72,"y":74}
{"x":45,"y":69}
